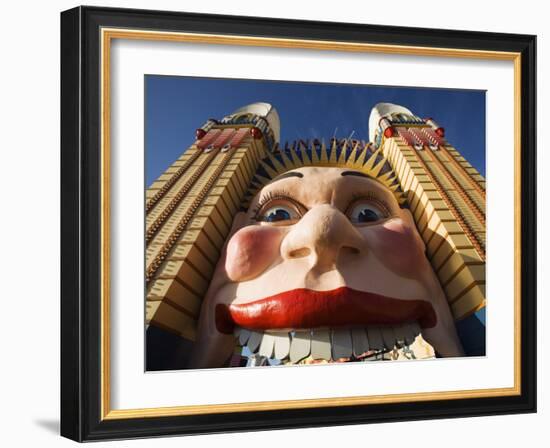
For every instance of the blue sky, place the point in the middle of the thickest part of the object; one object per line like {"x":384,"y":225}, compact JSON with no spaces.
{"x":176,"y":106}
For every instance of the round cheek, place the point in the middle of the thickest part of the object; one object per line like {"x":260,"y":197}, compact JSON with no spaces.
{"x":397,"y":246}
{"x":251,"y":251}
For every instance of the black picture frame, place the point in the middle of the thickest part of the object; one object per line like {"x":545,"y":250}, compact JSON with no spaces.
{"x":81,"y":209}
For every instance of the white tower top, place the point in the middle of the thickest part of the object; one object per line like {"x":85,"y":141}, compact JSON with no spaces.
{"x":267,"y":111}
{"x":382,"y":110}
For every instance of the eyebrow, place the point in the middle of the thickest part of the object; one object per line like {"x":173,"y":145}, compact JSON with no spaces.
{"x":360,"y":174}
{"x":354,"y":173}
{"x":284,"y":176}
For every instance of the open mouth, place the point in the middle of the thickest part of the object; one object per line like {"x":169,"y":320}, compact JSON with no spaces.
{"x":325,"y":325}
{"x":331,"y":345}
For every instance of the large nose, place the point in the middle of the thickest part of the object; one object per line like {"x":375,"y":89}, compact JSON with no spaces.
{"x":322,"y":235}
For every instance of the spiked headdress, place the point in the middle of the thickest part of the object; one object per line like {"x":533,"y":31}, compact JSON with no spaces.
{"x":344,"y":153}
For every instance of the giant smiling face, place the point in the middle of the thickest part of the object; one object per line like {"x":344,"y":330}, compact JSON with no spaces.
{"x":324,"y":259}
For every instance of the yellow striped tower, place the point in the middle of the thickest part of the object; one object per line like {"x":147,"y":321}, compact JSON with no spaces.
{"x":445,"y":194}
{"x":190,"y":208}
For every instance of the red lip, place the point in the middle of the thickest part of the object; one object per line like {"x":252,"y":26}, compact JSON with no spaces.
{"x":305,"y":308}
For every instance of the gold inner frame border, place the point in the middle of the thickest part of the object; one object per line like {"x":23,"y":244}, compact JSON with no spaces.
{"x":107,"y":35}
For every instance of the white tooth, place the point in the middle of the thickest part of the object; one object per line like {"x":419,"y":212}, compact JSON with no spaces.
{"x":412,"y":330}
{"x":408,"y":333}
{"x":375,"y":338}
{"x":388,"y":336}
{"x":243,"y":336}
{"x":341,"y":344}
{"x":360,"y":341}
{"x":256,"y":360}
{"x":320,"y":344}
{"x":422,"y":349}
{"x":282,"y":345}
{"x":266,"y":346}
{"x":254,"y":341}
{"x":300,"y":346}
{"x":399,"y":331}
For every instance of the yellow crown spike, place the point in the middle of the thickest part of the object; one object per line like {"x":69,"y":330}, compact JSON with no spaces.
{"x":388,"y":177}
{"x":295,"y":159}
{"x":307,"y":161}
{"x":386,"y":184}
{"x":324,"y":155}
{"x":361,"y":159}
{"x":394,"y":187}
{"x":332,"y":156}
{"x":376,"y":170}
{"x":302,"y":146}
{"x":262,"y":180}
{"x":353,"y":154}
{"x":289,"y":163}
{"x":342,"y":158}
{"x":269,"y":170}
{"x":314,"y":157}
{"x":367,"y":167}
{"x":278,"y":166}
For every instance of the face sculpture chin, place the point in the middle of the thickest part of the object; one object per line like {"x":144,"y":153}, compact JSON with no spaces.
{"x":323,"y":255}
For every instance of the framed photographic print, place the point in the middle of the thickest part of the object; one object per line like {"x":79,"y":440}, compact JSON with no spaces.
{"x":273,"y":224}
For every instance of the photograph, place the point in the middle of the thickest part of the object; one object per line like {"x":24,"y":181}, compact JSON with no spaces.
{"x":299,"y":223}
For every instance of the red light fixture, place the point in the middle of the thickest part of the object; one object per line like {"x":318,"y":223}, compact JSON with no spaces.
{"x":388,"y":132}
{"x":256,"y":133}
{"x":200,"y":133}
{"x":440,"y":132}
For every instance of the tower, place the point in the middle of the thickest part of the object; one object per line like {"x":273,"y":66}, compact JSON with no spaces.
{"x":190,"y":208}
{"x":446,"y":196}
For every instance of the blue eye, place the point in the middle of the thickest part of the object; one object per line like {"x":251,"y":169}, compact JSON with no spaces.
{"x":367,"y":215}
{"x":278,"y":213}
{"x":365,"y":212}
